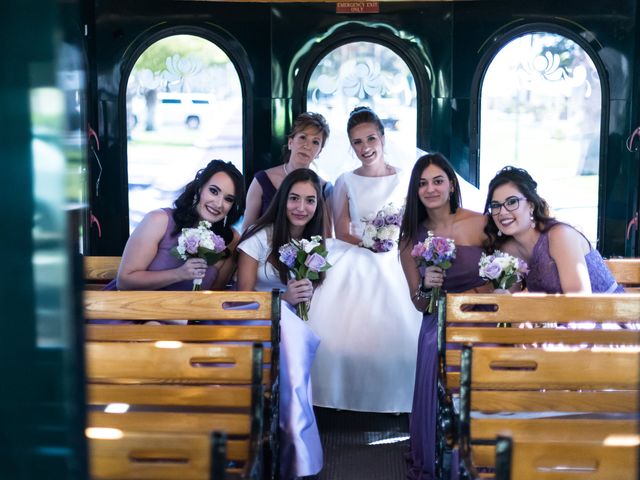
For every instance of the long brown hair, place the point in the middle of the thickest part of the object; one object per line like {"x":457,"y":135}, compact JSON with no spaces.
{"x":276,"y":215}
{"x":415,"y":212}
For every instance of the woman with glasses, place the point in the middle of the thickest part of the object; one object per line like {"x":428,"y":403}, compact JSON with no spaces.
{"x":560,"y":259}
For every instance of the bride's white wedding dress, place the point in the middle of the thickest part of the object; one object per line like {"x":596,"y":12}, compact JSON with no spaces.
{"x":363,"y":313}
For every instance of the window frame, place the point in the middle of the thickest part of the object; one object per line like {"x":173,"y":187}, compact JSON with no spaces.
{"x":492,"y":48}
{"x":237,"y":56}
{"x":416,"y":60}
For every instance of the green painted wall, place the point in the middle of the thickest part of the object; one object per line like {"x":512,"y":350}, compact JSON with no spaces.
{"x":41,"y":399}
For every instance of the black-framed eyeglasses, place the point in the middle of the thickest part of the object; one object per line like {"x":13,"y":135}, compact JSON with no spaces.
{"x":510,"y":204}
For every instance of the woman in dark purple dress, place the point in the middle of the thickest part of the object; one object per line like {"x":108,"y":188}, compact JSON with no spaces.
{"x":216,"y":195}
{"x":433,"y":204}
{"x":305,"y":142}
{"x":560,"y":259}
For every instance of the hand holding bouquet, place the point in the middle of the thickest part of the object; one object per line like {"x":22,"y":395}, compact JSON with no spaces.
{"x":438,"y":251}
{"x":305,"y":259}
{"x":381,"y":230}
{"x":200,"y":242}
{"x":502,"y":269}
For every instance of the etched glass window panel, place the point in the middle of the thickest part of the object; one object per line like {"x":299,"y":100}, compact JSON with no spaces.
{"x":541,"y":106}
{"x":364,"y":73}
{"x":184,"y":108}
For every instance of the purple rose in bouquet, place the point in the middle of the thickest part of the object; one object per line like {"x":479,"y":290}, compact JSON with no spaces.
{"x":200,"y":242}
{"x":305,"y":259}
{"x":438,"y":251}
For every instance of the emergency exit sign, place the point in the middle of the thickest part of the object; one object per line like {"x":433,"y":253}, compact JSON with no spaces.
{"x":357,"y":7}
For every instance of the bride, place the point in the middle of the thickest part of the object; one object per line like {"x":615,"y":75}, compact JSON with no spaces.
{"x":367,"y":325}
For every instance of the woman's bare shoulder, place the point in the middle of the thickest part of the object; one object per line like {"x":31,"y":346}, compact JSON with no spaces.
{"x":469,"y":216}
{"x":565,"y":237}
{"x":158,"y":217}
{"x":470,"y":227}
{"x":155,"y":222}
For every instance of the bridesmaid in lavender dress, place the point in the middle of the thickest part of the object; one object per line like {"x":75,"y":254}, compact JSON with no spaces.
{"x":216,"y":195}
{"x":433,"y":204}
{"x":560,"y":258}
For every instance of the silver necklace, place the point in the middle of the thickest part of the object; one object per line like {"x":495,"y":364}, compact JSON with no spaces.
{"x":284,"y":167}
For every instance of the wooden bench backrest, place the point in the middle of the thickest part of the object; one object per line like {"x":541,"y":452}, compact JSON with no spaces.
{"x":562,"y":374}
{"x":576,"y":459}
{"x":157,"y":456}
{"x":460,"y":326}
{"x":238,"y":315}
{"x":242,"y":317}
{"x":175,"y":305}
{"x":626,"y":272}
{"x":100,"y":270}
{"x":196,"y":388}
{"x":515,"y":380}
{"x":188,"y":363}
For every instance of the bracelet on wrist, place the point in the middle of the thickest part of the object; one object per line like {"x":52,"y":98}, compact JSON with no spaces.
{"x":422,"y":293}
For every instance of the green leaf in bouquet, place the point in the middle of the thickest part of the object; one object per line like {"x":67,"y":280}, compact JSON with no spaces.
{"x":509,"y":281}
{"x":211,"y":256}
{"x":445,"y":265}
{"x":311,"y":275}
{"x":326,"y":267}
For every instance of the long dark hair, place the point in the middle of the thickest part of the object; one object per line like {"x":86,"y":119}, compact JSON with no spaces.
{"x":361,"y":115}
{"x":185,"y":214}
{"x":521,"y":179}
{"x":303,"y":121}
{"x":415,"y":213}
{"x":276,"y":215}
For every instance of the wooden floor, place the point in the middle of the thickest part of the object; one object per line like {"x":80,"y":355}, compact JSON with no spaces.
{"x":359,"y":445}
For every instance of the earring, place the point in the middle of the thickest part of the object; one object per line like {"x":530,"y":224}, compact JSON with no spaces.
{"x":499,"y":233}
{"x":195,"y":199}
{"x":533,"y":221}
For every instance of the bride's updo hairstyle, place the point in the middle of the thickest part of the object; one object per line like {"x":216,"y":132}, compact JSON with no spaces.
{"x":185,"y":214}
{"x":302,"y":122}
{"x":361,"y":115}
{"x":415,"y":212}
{"x":527,"y":186}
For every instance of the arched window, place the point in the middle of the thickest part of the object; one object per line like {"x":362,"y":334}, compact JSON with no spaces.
{"x":184,"y":108}
{"x":364,"y":73}
{"x":541,"y":106}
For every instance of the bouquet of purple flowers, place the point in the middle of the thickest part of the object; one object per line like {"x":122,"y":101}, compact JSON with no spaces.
{"x":200,"y":242}
{"x":382,"y":229}
{"x":305,"y":259}
{"x":438,"y":251}
{"x":502,"y":269}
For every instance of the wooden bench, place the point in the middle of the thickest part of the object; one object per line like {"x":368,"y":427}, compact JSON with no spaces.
{"x":245,"y":316}
{"x":626,"y":272}
{"x":576,"y":459}
{"x":99,"y":270}
{"x":471,"y":319}
{"x":157,"y":456}
{"x":175,"y":388}
{"x":556,"y":388}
